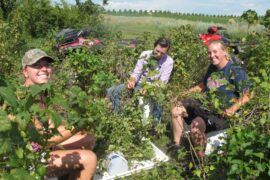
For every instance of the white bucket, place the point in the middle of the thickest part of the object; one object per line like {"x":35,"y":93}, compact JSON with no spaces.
{"x":115,"y":163}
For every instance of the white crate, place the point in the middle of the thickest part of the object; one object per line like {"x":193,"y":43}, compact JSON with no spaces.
{"x":137,"y":166}
{"x":215,"y":139}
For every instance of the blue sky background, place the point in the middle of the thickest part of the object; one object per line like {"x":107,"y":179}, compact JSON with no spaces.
{"x":217,"y":7}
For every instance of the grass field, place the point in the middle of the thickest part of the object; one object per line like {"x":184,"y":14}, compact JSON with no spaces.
{"x":133,"y":27}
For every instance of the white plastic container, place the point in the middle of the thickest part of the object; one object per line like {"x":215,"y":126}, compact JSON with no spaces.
{"x":136,"y":166}
{"x":115,"y":163}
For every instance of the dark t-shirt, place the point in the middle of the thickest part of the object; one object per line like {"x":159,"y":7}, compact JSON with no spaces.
{"x":226,"y":83}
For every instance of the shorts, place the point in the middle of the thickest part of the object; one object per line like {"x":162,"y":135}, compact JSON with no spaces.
{"x":213,"y":121}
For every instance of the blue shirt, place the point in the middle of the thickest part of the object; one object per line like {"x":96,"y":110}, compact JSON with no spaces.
{"x":227,"y":83}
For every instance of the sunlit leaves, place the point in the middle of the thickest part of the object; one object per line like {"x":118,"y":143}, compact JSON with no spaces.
{"x":7,"y":93}
{"x":5,"y":123}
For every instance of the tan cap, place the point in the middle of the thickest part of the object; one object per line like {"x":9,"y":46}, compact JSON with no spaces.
{"x":34,"y":55}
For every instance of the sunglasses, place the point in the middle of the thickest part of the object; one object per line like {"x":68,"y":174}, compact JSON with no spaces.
{"x":40,"y":65}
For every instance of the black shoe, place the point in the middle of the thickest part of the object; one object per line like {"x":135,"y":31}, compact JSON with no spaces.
{"x":152,"y":131}
{"x":173,"y":147}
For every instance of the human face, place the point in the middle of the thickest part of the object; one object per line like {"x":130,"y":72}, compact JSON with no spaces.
{"x":159,"y":51}
{"x":217,"y":55}
{"x":38,"y":73}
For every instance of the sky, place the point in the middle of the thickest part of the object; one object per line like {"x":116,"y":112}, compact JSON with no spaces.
{"x":210,"y":7}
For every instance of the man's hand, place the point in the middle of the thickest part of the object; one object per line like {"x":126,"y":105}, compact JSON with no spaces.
{"x":131,"y":83}
{"x":229,"y":112}
{"x":143,"y":91}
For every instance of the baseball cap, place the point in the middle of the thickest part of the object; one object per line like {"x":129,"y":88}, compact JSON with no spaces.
{"x":34,"y":55}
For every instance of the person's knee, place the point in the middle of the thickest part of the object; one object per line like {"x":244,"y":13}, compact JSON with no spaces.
{"x":179,"y":111}
{"x":89,"y":158}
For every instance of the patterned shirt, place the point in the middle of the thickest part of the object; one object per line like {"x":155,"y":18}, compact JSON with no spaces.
{"x":163,"y":65}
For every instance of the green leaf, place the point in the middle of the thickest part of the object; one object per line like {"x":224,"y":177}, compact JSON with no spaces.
{"x":259,"y":155}
{"x":19,"y":153}
{"x":29,"y":102}
{"x":197,"y":172}
{"x":5,"y":145}
{"x":41,"y":170}
{"x":234,"y":168}
{"x":31,"y":156}
{"x":8,"y":95}
{"x":15,"y":162}
{"x":190,"y":165}
{"x":20,"y":173}
{"x":248,"y":152}
{"x":5,"y":124}
{"x":56,"y":118}
{"x":36,"y":89}
{"x":58,"y":100}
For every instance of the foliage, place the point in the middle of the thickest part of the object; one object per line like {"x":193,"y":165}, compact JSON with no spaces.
{"x":79,"y":87}
{"x":188,"y":52}
{"x":250,"y":16}
{"x":18,"y":156}
{"x":6,"y":7}
{"x":42,"y":16}
{"x":86,"y":70}
{"x":10,"y":47}
{"x":266,"y":19}
{"x":175,"y":15}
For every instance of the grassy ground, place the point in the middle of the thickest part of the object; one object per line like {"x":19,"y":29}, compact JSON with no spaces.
{"x":133,"y":27}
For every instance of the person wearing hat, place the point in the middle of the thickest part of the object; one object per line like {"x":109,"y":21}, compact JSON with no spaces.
{"x":73,"y":150}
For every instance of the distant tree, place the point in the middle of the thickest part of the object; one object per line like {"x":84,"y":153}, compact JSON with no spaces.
{"x":250,"y":16}
{"x":6,"y":6}
{"x":105,"y":2}
{"x":134,"y":11}
{"x":145,"y":12}
{"x":87,"y":7}
{"x":266,"y":19}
